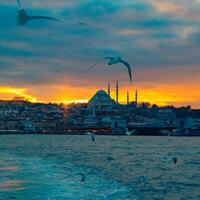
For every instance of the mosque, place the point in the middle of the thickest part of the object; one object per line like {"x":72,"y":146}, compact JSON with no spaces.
{"x":102,"y":100}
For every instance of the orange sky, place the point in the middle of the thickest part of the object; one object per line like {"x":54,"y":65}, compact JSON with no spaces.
{"x":157,"y":86}
{"x":49,"y":61}
{"x":179,"y":94}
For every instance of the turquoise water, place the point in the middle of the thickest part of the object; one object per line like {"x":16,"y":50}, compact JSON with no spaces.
{"x":116,"y":168}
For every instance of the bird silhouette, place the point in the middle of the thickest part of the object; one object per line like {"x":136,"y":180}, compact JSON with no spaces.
{"x":83,"y":176}
{"x":116,"y":138}
{"x":116,"y":60}
{"x":92,"y":136}
{"x":169,"y":159}
{"x":129,"y":133}
{"x":175,"y":160}
{"x":23,"y":18}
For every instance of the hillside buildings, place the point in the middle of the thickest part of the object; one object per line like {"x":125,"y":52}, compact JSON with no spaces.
{"x":101,"y":112}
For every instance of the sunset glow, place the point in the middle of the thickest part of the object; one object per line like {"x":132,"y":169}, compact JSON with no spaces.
{"x":49,"y":62}
{"x":166,"y":95}
{"x":9,"y":93}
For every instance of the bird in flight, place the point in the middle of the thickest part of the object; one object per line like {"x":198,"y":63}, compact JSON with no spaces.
{"x":92,"y":136}
{"x":116,"y":137}
{"x":170,"y":159}
{"x":129,"y":133}
{"x":115,"y":60}
{"x":175,"y":160}
{"x":23,"y":18}
{"x":83,"y":176}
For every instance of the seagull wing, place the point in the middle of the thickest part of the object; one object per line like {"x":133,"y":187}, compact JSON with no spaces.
{"x":67,"y":168}
{"x":19,"y":4}
{"x":166,"y":159}
{"x":132,"y":132}
{"x":116,"y":138}
{"x":108,"y":57}
{"x":42,"y":17}
{"x":128,"y":67}
{"x":99,"y":62}
{"x":89,"y":133}
{"x":80,"y":174}
{"x":82,"y":24}
{"x":78,"y":23}
{"x":94,"y":174}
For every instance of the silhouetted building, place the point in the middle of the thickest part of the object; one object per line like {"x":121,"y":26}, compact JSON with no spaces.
{"x":101,"y":101}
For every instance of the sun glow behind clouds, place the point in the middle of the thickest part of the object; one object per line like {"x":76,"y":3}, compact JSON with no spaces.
{"x":49,"y":61}
{"x":70,"y":101}
{"x":19,"y":92}
{"x":161,"y":96}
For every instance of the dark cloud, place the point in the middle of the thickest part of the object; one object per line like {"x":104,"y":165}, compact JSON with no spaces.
{"x":143,"y":32}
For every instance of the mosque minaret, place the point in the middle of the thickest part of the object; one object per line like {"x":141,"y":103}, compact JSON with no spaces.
{"x":117,"y":91}
{"x":127,"y":98}
{"x":136,"y":98}
{"x":108,"y":89}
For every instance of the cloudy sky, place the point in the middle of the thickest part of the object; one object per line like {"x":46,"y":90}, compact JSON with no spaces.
{"x":49,"y":60}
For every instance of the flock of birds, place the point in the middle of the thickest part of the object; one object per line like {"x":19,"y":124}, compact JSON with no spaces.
{"x":127,"y":132}
{"x":168,"y":159}
{"x":23,"y":18}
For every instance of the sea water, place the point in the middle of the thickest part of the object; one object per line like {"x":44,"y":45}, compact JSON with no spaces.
{"x":47,"y":167}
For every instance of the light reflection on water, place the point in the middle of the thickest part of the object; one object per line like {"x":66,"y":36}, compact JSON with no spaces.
{"x":39,"y":166}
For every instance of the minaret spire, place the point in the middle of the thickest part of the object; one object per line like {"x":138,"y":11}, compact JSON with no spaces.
{"x":117,"y":91}
{"x":127,"y":100}
{"x":136,"y":98}
{"x":109,"y":89}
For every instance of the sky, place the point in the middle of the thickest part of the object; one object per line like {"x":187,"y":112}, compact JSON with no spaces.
{"x":49,"y":61}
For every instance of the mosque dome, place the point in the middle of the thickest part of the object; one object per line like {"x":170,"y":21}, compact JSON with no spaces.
{"x":101,"y":93}
{"x":101,"y":101}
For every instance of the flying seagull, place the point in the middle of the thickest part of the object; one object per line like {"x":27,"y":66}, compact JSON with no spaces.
{"x":116,"y":60}
{"x":116,"y":137}
{"x":23,"y":18}
{"x":129,"y":133}
{"x":169,"y":159}
{"x":83,"y":176}
{"x":175,"y":160}
{"x":92,"y":136}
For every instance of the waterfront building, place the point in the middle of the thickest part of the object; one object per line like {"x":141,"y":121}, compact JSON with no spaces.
{"x":2,"y":125}
{"x":186,"y":123}
{"x":27,"y":125}
{"x":90,"y":121}
{"x":118,"y":122}
{"x":12,"y":125}
{"x":166,"y":114}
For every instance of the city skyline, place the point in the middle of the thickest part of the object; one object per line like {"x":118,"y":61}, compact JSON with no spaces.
{"x":49,"y":61}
